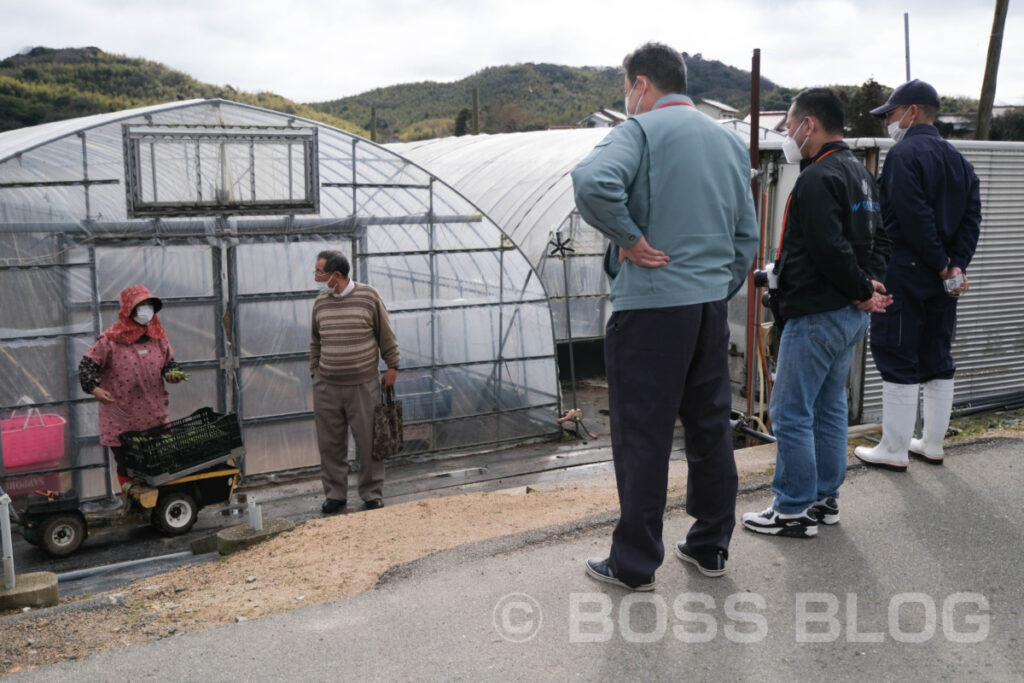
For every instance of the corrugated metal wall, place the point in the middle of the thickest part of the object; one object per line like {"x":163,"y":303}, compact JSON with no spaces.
{"x":989,"y":346}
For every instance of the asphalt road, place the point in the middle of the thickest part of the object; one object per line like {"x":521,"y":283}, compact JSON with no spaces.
{"x":921,"y":580}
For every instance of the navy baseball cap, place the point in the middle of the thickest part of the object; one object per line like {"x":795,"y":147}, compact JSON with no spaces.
{"x":911,"y":92}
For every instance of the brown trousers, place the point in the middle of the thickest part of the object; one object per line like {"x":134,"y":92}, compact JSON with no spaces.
{"x":336,"y":409}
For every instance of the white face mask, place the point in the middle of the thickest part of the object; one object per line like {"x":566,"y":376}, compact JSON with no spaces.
{"x":324,"y":285}
{"x":793,"y":151}
{"x":895,"y":132}
{"x":625,"y":101}
{"x":143,"y":314}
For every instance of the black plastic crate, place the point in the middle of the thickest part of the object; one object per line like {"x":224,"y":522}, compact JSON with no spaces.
{"x":181,"y":444}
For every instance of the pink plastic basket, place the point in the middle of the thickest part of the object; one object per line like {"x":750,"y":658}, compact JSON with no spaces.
{"x":35,"y":441}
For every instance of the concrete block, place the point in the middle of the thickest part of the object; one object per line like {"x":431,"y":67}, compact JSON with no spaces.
{"x":206,"y":544}
{"x":239,"y":537}
{"x":35,"y":589}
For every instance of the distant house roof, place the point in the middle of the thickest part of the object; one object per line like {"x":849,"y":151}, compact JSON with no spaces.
{"x":743,"y":129}
{"x":774,"y":120}
{"x":957,"y":121}
{"x":605,"y":118}
{"x":721,"y":106}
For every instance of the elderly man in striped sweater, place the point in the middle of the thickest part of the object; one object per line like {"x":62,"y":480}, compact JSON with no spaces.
{"x":351,"y":332}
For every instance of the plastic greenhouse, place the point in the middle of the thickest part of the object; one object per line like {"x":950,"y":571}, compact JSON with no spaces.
{"x":522,"y":182}
{"x":220,"y":210}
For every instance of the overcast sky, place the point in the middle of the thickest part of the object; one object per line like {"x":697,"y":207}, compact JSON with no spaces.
{"x":314,"y":50}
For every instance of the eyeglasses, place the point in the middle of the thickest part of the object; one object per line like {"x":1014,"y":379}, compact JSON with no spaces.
{"x":318,"y":272}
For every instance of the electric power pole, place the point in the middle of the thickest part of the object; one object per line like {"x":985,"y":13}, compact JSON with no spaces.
{"x":906,"y":39}
{"x":988,"y":86}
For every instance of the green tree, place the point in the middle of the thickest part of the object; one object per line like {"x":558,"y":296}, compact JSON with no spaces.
{"x":462,"y":121}
{"x":861,"y":100}
{"x":1008,"y":126}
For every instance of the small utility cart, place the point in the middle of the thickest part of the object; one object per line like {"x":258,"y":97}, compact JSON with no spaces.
{"x":176,"y":469}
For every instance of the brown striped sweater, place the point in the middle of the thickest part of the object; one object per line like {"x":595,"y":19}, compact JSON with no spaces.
{"x":350,"y":334}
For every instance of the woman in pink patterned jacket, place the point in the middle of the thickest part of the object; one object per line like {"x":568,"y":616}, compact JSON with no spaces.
{"x":126,"y":369}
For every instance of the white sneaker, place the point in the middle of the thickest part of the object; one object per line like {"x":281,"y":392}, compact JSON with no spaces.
{"x":771,"y":522}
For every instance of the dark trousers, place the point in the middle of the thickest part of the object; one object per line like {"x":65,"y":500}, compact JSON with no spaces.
{"x":911,"y":340}
{"x":665,"y":363}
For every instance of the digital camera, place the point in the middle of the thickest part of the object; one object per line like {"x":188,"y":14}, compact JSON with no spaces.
{"x":767,"y":277}
{"x":953,"y":282}
{"x":769,"y":280}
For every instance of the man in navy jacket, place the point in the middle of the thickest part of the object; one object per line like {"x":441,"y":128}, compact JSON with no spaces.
{"x":931,"y":206}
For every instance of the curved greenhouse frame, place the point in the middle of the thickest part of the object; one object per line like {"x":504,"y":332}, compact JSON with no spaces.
{"x":220,"y":209}
{"x":522,"y":182}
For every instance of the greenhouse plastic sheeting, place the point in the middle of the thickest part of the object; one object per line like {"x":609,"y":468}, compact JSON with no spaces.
{"x":220,"y":209}
{"x":522,"y":182}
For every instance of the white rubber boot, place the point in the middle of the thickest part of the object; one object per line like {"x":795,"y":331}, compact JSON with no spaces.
{"x":899,"y":410}
{"x":938,"y":403}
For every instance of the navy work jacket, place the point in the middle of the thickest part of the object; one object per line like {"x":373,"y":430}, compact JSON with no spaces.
{"x":931,"y":201}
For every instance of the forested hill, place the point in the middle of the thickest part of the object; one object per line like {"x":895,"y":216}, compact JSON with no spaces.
{"x":530,"y":97}
{"x":46,"y":85}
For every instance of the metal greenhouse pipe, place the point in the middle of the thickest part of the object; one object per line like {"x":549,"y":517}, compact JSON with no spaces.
{"x":103,"y":569}
{"x":193,"y":227}
{"x":5,"y":541}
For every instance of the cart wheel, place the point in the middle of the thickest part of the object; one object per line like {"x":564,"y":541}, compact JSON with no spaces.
{"x":61,"y":535}
{"x":175,"y":513}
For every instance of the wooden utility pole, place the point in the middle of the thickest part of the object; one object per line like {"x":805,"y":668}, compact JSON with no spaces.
{"x":988,"y":86}
{"x":753,"y":303}
{"x":373,"y":124}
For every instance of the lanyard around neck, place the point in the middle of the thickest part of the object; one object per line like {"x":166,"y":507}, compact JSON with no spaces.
{"x":674,"y":103}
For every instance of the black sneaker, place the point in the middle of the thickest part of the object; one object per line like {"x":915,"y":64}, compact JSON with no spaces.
{"x":800,"y":525}
{"x":600,"y":571}
{"x":826,"y":511}
{"x":708,"y":561}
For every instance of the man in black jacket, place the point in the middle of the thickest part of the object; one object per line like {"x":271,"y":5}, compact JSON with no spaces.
{"x":832,"y":256}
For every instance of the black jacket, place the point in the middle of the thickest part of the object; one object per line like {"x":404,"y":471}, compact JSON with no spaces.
{"x":833,"y":243}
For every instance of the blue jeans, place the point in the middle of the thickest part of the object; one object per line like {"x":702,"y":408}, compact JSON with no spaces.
{"x":809,"y":408}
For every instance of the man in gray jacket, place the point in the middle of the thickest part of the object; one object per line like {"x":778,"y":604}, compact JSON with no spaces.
{"x":670,"y":188}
